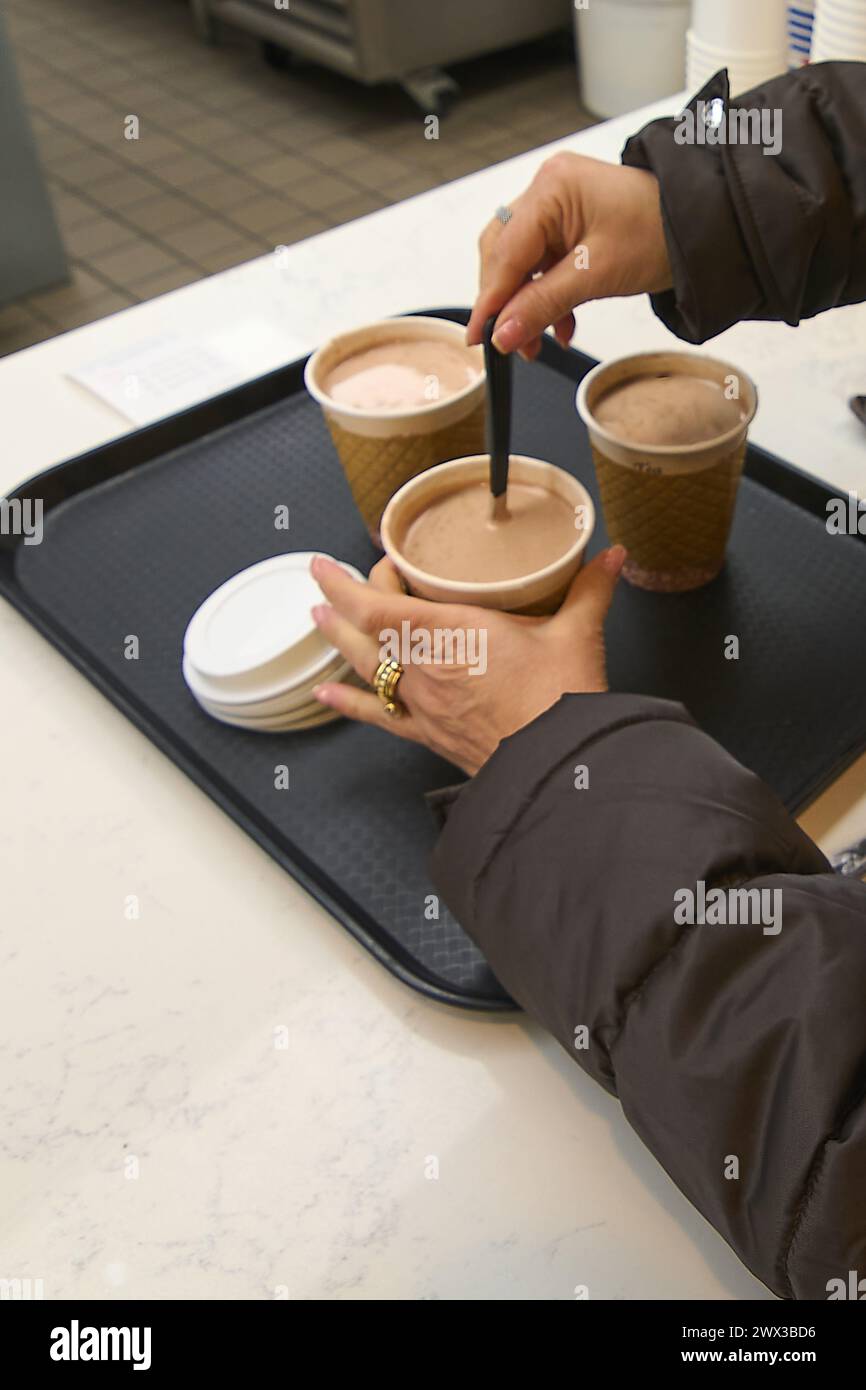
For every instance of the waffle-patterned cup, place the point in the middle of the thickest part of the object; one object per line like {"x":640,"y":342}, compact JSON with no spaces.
{"x":670,"y":506}
{"x":380,"y":451}
{"x":535,"y":594}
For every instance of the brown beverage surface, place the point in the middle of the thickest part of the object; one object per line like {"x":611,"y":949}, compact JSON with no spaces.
{"x":401,"y":373}
{"x":667,"y":410}
{"x":456,"y":538}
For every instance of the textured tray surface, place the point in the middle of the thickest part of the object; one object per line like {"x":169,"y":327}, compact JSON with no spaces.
{"x":138,"y":554}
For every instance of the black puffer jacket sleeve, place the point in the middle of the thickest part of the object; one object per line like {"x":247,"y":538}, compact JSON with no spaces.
{"x":738,"y":1052}
{"x":764,"y":236}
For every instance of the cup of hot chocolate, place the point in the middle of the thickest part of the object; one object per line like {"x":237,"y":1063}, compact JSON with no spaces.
{"x":442,"y":535}
{"x":668,"y":437}
{"x":398,"y":397}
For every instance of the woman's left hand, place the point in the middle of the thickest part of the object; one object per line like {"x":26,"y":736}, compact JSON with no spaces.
{"x":498,"y":673}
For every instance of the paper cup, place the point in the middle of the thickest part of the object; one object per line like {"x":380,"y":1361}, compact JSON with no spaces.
{"x":841,"y":27}
{"x":671,"y":507}
{"x":741,"y":80}
{"x":827,"y":48}
{"x":841,"y":13}
{"x":740,"y":23}
{"x":732,"y":53}
{"x":839,"y":31}
{"x":629,"y":52}
{"x":746,"y":69}
{"x":536,"y":593}
{"x":699,"y":72}
{"x":380,"y":451}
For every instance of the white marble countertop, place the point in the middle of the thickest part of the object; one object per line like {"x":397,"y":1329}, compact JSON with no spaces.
{"x":301,"y":1171}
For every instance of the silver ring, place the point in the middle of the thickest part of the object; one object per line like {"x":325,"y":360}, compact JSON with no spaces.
{"x":504,"y":214}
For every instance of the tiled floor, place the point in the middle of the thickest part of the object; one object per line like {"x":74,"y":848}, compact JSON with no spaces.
{"x":233,"y":157}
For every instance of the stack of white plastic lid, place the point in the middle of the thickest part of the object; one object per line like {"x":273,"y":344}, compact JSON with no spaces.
{"x":749,"y":39}
{"x":839,"y":31}
{"x":252,"y":653}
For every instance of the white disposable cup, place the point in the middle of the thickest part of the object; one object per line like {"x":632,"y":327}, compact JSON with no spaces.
{"x":851,"y":10}
{"x":842,"y":19}
{"x":541,"y":591}
{"x":698,"y":75}
{"x":828,"y":48}
{"x":630,"y":52}
{"x":838,"y":34}
{"x":745,"y":70}
{"x":843,"y":28}
{"x":759,"y":72}
{"x":748,"y":24}
{"x":731,"y":52}
{"x":839,"y":23}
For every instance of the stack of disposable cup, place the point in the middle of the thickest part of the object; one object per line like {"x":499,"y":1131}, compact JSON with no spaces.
{"x":839,"y":31}
{"x":801,"y":17}
{"x":252,"y":654}
{"x":630,"y":52}
{"x":748,"y":38}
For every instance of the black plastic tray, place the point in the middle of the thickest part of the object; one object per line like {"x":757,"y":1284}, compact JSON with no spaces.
{"x":138,"y":532}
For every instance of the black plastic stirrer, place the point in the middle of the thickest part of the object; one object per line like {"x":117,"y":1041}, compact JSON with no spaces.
{"x":498,"y":367}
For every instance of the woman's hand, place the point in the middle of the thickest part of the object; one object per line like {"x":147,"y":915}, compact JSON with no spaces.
{"x":587,"y":230}
{"x":512,"y":668}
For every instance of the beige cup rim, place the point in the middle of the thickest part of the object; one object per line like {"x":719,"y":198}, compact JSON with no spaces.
{"x":664,"y":450}
{"x":394,"y":324}
{"x":487,"y":586}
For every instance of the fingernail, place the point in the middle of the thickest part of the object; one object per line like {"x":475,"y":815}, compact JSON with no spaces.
{"x":508,"y":335}
{"x":319,"y":613}
{"x":614,"y":559}
{"x":322,"y":694}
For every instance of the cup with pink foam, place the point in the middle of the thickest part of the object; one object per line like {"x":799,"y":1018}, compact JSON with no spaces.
{"x":398,"y":396}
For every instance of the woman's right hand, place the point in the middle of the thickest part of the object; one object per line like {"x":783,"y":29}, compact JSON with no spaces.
{"x":463,"y":711}
{"x":584,"y":229}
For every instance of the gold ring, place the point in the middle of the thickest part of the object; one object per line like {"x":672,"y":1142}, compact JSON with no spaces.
{"x":388,"y":676}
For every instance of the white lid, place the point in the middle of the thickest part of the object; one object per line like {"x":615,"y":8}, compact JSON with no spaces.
{"x":280,"y":723}
{"x":254,"y":636}
{"x":212,"y":697}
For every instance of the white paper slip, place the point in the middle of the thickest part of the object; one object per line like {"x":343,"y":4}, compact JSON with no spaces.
{"x":159,"y":377}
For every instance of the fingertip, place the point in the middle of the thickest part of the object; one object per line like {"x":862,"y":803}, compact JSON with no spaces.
{"x":594,"y":584}
{"x":385,"y":577}
{"x":564,"y":330}
{"x":508,"y":335}
{"x":488,"y":302}
{"x":613,"y":560}
{"x":322,"y":565}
